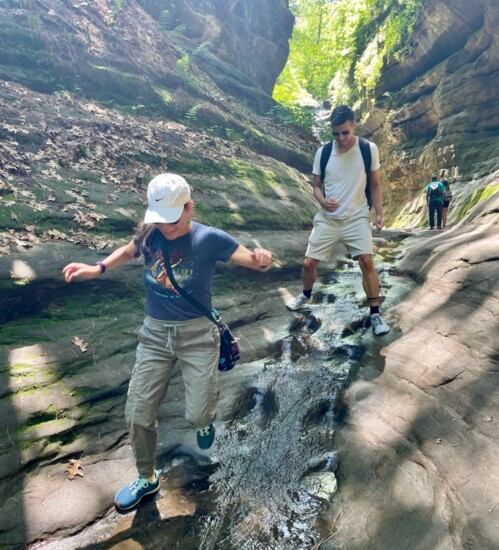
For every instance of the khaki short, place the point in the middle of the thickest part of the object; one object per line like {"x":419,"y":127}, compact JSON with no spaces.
{"x":355,"y":233}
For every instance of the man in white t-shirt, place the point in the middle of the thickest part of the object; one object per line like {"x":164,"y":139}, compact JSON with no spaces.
{"x":344,"y":214}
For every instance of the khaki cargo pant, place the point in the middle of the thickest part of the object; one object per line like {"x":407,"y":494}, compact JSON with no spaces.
{"x":195,"y":343}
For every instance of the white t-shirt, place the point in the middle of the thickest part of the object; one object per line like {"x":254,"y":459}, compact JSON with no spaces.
{"x":345,"y":178}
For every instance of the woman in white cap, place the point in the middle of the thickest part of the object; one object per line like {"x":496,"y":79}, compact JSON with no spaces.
{"x":173,"y":328}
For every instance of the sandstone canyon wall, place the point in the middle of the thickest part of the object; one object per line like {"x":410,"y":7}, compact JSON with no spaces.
{"x":437,"y":110}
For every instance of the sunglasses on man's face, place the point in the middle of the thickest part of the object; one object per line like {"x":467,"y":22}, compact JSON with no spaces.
{"x":343,"y":133}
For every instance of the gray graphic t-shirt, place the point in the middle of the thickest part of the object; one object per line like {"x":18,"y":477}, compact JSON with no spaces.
{"x":193,"y":258}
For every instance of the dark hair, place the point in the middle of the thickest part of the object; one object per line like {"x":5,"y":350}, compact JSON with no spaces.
{"x":446,"y":183}
{"x":141,"y":235}
{"x":341,"y":114}
{"x":434,"y":178}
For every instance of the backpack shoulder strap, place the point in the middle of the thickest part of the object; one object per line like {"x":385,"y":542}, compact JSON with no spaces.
{"x":326,"y":153}
{"x":365,"y":150}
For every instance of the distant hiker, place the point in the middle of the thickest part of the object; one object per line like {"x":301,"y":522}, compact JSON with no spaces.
{"x":173,"y":329}
{"x":346,"y":175}
{"x":447,"y":197}
{"x":434,"y":198}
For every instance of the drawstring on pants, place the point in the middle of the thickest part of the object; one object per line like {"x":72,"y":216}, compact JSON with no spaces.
{"x":171,"y":333}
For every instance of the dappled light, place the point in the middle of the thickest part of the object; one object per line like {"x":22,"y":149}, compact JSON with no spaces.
{"x":22,"y":271}
{"x":337,"y":428}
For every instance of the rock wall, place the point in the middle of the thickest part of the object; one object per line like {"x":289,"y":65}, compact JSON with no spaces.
{"x":209,"y":65}
{"x":101,"y":45}
{"x":436,"y":111}
{"x":250,"y":35}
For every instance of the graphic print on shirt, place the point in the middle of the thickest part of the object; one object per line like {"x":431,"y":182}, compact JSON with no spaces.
{"x":183,"y":271}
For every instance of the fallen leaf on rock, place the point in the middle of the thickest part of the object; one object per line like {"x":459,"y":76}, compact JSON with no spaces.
{"x":127,"y":213}
{"x":89,"y":219}
{"x":24,"y":244}
{"x":56,"y":234}
{"x":74,"y":468}
{"x":77,"y":341}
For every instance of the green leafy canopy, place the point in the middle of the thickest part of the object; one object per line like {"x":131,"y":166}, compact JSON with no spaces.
{"x":338,"y":49}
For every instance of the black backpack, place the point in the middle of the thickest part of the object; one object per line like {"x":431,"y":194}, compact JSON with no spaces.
{"x":365,"y":149}
{"x":435,"y":193}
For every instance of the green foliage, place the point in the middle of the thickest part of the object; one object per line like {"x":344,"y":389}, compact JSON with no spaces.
{"x":200,"y":49}
{"x":339,"y":47}
{"x":191,"y":115}
{"x":294,"y":114}
{"x":117,"y":6}
{"x":167,"y":25}
{"x":183,"y":65}
{"x":166,"y":22}
{"x":185,"y":73}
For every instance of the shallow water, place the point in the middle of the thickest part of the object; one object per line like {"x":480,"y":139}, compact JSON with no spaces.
{"x":277,"y":462}
{"x":271,"y":476}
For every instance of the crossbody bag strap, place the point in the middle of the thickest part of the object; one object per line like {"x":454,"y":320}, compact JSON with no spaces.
{"x":212,"y":315}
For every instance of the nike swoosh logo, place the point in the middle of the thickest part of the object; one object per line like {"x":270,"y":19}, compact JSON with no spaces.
{"x":157,"y":200}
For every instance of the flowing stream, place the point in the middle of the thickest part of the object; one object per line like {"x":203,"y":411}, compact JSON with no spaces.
{"x":277,"y":461}
{"x":271,"y":476}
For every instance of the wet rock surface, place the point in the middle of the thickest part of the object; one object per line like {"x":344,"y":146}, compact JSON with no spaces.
{"x":410,"y":445}
{"x":418,"y":445}
{"x":270,"y":474}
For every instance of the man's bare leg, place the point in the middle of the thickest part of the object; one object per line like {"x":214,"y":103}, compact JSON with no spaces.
{"x":309,"y":273}
{"x":308,"y":278}
{"x":370,"y":282}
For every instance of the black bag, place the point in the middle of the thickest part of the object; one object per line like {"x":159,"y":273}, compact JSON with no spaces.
{"x":229,"y":348}
{"x":435,"y":192}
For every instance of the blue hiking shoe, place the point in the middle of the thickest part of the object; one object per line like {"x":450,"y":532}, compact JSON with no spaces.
{"x":132,"y":494}
{"x":205,"y":436}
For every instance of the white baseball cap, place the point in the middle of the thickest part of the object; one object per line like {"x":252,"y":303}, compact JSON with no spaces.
{"x":166,"y":196}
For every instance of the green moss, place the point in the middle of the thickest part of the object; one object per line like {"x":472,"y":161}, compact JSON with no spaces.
{"x":475,"y":198}
{"x":26,"y":444}
{"x":193,"y":164}
{"x":223,"y":218}
{"x":18,"y":367}
{"x":97,"y":304}
{"x":250,"y":218}
{"x":404,"y":220}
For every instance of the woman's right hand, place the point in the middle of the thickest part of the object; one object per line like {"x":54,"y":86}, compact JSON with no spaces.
{"x":80,"y":271}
